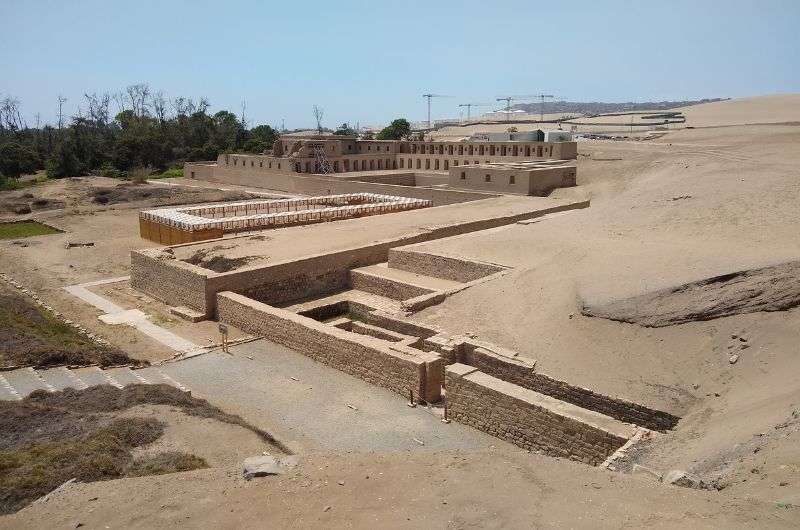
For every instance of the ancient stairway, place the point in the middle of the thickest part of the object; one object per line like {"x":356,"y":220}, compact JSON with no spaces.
{"x":19,"y":383}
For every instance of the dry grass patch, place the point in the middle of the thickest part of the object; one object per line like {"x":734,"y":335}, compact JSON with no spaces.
{"x":31,"y":336}
{"x":50,"y":438}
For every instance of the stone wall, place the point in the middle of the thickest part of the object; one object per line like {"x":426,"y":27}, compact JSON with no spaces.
{"x":520,"y":371}
{"x":531,"y":420}
{"x":396,"y":368}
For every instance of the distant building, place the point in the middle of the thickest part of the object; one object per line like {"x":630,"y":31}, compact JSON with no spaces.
{"x":334,"y":155}
{"x":520,"y":178}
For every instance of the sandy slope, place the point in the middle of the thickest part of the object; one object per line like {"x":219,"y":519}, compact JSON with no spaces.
{"x":694,"y":204}
{"x":778,"y":108}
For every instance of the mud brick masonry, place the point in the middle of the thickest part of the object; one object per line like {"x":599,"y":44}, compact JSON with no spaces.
{"x":320,"y":165}
{"x":531,"y":420}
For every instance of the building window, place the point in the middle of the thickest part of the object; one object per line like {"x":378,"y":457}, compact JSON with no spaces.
{"x":488,"y":178}
{"x":511,"y":179}
{"x":261,"y":164}
{"x":463,"y":175}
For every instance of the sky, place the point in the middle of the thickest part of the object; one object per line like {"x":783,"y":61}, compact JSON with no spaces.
{"x":371,"y":61}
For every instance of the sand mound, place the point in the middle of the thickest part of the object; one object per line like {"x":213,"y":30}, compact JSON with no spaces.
{"x":773,"y":288}
{"x":779,"y":108}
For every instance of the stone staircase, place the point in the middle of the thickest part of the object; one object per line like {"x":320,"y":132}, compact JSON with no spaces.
{"x":17,"y":384}
{"x":397,"y":284}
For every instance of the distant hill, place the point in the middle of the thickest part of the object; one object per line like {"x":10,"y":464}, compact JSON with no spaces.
{"x":597,"y":107}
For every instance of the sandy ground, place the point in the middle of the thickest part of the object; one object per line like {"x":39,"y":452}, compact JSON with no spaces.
{"x":694,"y":204}
{"x":500,"y":488}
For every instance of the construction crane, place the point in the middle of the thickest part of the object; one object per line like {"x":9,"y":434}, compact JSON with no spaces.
{"x":470,"y":105}
{"x":542,"y":97}
{"x":431,"y":96}
{"x":509,"y":99}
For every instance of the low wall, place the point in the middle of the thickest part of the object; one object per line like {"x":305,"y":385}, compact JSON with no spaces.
{"x":174,"y":282}
{"x":520,"y":371}
{"x":531,"y":420}
{"x":445,"y":267}
{"x":199,"y":170}
{"x":386,"y":287}
{"x":362,"y":356}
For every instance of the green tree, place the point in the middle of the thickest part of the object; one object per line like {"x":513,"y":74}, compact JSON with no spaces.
{"x":65,"y":161}
{"x":345,"y":130}
{"x":17,"y":159}
{"x":397,"y":130}
{"x":264,"y":134}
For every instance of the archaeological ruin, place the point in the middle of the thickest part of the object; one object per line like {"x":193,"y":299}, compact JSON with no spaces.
{"x":349,"y":303}
{"x":321,"y":165}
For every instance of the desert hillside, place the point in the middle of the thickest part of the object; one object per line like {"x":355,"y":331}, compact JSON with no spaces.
{"x":692,"y":205}
{"x":772,"y":109}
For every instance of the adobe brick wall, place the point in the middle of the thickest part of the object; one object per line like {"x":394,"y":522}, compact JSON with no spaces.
{"x":396,"y":368}
{"x":172,"y":281}
{"x":386,"y":287}
{"x":287,"y":281}
{"x":199,"y":170}
{"x":520,"y":371}
{"x":449,"y":268}
{"x":531,"y":420}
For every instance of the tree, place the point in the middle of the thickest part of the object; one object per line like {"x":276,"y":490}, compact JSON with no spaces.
{"x":17,"y":159}
{"x":265,"y":134}
{"x":65,"y":162}
{"x":345,"y":130}
{"x":397,"y":130}
{"x":319,"y":112}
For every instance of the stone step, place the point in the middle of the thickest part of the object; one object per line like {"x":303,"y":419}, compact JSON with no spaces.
{"x":125,"y":376}
{"x":7,"y":392}
{"x":25,"y":381}
{"x":92,"y":376}
{"x":61,"y":378}
{"x":154,"y":375}
{"x":396,"y":284}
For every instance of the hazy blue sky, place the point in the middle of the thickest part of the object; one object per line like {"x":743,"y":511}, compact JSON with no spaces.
{"x":370,"y":61}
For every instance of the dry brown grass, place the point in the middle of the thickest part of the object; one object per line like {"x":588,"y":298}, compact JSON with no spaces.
{"x":30,"y":336}
{"x":50,"y":438}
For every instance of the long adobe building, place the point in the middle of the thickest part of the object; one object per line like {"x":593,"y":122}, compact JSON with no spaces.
{"x":507,"y":163}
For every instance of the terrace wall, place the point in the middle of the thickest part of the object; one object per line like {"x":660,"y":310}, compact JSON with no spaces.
{"x":445,"y":267}
{"x":529,"y":419}
{"x":170,"y":280}
{"x":520,"y":371}
{"x":393,"y":367}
